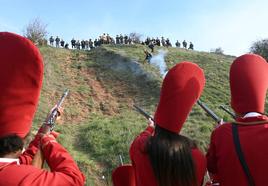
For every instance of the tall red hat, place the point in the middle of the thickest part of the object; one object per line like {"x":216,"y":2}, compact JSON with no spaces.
{"x":248,"y":83}
{"x":181,"y":88}
{"x":21,"y":72}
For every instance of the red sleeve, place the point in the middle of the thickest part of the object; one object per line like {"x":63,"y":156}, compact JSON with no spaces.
{"x":200,"y":165}
{"x":139,"y":142}
{"x":27,"y":156}
{"x":211,"y":155}
{"x":64,"y":170}
{"x":61,"y":163}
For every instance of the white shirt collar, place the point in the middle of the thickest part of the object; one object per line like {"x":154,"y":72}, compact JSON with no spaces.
{"x":9,"y":160}
{"x":252,"y":114}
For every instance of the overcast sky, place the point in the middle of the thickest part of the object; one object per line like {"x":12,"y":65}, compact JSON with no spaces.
{"x":230,"y":24}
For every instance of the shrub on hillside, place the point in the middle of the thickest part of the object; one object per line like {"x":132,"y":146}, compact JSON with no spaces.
{"x":218,"y":50}
{"x":261,"y":48}
{"x":135,"y":37}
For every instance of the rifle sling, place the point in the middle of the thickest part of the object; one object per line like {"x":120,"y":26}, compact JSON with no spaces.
{"x":241,"y":155}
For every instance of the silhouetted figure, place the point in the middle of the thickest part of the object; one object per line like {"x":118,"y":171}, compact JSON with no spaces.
{"x":148,"y":56}
{"x":191,"y":46}
{"x":151,"y":46}
{"x":157,"y":41}
{"x":62,"y":43}
{"x":51,"y":41}
{"x":126,"y":39}
{"x":57,"y":42}
{"x":163,"y":41}
{"x":168,"y":44}
{"x":83,"y":44}
{"x":147,"y":41}
{"x":121,"y":38}
{"x":78,"y":44}
{"x":117,"y":39}
{"x":66,"y":46}
{"x":73,"y":41}
{"x":86,"y":44}
{"x":178,"y":44}
{"x":90,"y":44}
{"x":96,"y":43}
{"x":184,"y":44}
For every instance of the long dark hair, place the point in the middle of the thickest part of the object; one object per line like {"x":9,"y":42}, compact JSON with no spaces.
{"x":171,"y":158}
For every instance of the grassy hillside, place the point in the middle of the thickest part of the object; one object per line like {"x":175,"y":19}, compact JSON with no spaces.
{"x":99,"y":122}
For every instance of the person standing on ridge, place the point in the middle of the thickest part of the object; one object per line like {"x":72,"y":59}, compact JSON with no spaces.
{"x":57,"y":42}
{"x":184,"y":44}
{"x":178,"y":44}
{"x":191,"y":46}
{"x":73,"y":42}
{"x":51,"y":40}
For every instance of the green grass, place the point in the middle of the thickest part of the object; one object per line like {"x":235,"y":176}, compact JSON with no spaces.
{"x":99,"y":122}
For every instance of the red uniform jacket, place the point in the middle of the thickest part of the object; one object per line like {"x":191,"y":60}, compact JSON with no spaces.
{"x":141,"y":163}
{"x":223,"y":162}
{"x":63,"y":169}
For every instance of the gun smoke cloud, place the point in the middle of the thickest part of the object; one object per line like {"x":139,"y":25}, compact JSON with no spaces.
{"x":159,"y":61}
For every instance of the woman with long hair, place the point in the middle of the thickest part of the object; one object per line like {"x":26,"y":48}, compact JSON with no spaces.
{"x":160,"y":155}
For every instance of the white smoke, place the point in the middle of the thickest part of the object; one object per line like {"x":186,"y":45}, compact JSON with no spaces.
{"x":159,"y":61}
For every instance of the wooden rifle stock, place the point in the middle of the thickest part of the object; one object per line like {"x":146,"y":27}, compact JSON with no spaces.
{"x":38,"y":159}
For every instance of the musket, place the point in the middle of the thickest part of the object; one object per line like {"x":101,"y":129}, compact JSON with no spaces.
{"x":124,"y":174}
{"x":228,"y":111}
{"x":50,"y":120}
{"x":121,"y":160}
{"x":145,"y":114}
{"x":209,"y":111}
{"x":38,"y":159}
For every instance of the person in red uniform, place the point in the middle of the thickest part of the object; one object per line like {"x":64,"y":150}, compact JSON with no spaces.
{"x":248,"y":84}
{"x":21,"y":73}
{"x":160,"y":155}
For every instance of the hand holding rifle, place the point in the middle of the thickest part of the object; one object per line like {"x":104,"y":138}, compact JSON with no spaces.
{"x":151,"y":123}
{"x":54,"y":114}
{"x":46,"y":130}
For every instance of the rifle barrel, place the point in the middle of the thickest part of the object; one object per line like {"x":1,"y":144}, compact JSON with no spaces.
{"x":121,"y":160}
{"x":228,"y":111}
{"x":64,"y":95}
{"x":50,"y":120}
{"x":210,"y":112}
{"x":145,"y":114}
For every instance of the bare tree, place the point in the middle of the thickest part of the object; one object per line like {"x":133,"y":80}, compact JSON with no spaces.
{"x":36,"y":31}
{"x":135,"y":37}
{"x":218,"y":50}
{"x":261,"y":48}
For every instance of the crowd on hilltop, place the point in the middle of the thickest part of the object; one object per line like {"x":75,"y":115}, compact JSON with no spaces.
{"x":105,"y":38}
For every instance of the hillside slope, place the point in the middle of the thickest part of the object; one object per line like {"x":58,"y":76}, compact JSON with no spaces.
{"x":99,"y":122}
